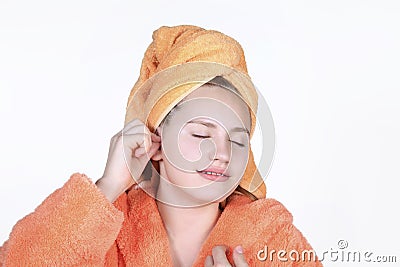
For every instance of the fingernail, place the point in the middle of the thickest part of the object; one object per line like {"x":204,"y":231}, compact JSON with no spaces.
{"x":239,"y":249}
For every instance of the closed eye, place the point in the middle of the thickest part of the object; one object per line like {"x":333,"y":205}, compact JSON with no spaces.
{"x":200,"y":136}
{"x":237,"y":143}
{"x":206,"y":136}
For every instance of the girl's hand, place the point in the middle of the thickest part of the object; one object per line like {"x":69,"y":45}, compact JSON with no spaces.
{"x":130,"y":150}
{"x":219,"y":258}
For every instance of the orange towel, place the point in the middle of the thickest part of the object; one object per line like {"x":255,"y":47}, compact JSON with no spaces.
{"x":77,"y":226}
{"x":199,"y":55}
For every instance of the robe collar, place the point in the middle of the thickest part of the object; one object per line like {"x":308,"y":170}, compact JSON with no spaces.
{"x":143,"y":239}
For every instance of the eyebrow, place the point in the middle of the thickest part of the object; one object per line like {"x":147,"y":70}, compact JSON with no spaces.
{"x":212,"y":125}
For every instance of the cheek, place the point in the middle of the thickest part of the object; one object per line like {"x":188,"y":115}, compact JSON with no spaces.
{"x":189,"y":147}
{"x":239,"y":161}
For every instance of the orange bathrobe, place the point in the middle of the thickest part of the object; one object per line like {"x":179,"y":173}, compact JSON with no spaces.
{"x":78,"y":226}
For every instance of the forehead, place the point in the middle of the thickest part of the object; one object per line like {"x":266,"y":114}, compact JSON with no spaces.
{"x":213,"y":91}
{"x":228,"y":97}
{"x":225,"y":96}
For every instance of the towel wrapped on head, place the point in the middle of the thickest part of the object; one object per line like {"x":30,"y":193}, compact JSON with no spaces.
{"x":179,"y":60}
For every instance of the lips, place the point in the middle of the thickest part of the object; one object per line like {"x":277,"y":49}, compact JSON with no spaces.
{"x":214,"y":174}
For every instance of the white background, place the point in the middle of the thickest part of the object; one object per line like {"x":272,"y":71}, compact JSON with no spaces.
{"x":329,"y":71}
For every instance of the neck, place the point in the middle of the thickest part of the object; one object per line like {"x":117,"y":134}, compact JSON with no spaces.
{"x":179,"y":221}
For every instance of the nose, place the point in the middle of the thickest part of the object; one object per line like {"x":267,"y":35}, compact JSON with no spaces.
{"x":223,"y":147}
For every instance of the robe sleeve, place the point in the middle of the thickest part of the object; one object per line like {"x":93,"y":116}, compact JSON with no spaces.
{"x":296,"y":251}
{"x":75,"y":225}
{"x":308,"y":256}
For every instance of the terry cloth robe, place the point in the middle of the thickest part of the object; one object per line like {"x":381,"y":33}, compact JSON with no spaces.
{"x":77,"y":226}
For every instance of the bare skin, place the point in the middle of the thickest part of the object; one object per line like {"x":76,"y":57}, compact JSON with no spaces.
{"x":187,"y":229}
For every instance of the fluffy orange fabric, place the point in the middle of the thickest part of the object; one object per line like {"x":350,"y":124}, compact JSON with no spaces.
{"x":77,"y":226}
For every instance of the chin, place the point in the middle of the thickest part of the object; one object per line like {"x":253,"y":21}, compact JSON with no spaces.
{"x":207,"y":195}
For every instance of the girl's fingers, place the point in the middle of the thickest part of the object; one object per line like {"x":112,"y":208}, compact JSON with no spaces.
{"x":135,"y":128}
{"x":209,"y":262}
{"x":136,"y":140}
{"x":155,"y":138}
{"x":141,"y":140}
{"x":238,"y":257}
{"x":219,"y":256}
{"x":133,"y":123}
{"x":154,"y":148}
{"x":140,"y":151}
{"x":136,"y":134}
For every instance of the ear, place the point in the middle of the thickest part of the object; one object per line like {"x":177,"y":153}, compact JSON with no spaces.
{"x":157,"y":156}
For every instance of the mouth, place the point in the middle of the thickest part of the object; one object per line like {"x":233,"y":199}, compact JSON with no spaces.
{"x":214,"y":175}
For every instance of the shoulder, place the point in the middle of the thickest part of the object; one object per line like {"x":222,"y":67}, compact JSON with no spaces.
{"x":258,"y":220}
{"x":266,"y":225}
{"x":134,"y":202}
{"x":266,"y":211}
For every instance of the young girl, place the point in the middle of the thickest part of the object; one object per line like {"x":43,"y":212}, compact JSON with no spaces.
{"x":180,"y":187}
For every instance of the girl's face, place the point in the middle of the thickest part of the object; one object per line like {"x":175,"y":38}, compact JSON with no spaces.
{"x":205,"y":145}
